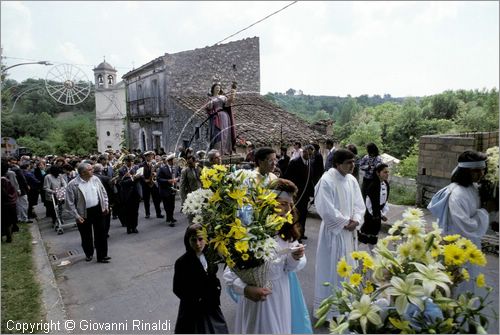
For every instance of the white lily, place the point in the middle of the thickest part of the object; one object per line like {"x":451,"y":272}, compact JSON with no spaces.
{"x":431,"y":276}
{"x":406,"y":291}
{"x":365,"y":311}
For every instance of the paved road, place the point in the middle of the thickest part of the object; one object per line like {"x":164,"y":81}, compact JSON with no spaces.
{"x":135,"y":289}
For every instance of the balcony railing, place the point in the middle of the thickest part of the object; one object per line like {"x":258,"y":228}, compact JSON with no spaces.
{"x":144,"y":107}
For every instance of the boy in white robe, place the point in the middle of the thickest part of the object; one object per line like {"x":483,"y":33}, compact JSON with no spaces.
{"x":340,"y":204}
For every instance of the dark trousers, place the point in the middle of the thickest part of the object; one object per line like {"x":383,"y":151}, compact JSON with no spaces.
{"x":107,"y":223}
{"x":301,"y":207}
{"x":169,"y":205}
{"x":147,"y":193}
{"x":130,"y":214}
{"x":94,"y":220}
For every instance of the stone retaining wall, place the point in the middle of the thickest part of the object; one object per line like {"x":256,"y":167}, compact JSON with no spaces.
{"x":438,"y":156}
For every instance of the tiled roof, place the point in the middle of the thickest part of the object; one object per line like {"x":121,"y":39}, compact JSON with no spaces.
{"x":259,"y":121}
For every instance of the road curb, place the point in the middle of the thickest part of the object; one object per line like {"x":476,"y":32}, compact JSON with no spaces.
{"x":52,"y":301}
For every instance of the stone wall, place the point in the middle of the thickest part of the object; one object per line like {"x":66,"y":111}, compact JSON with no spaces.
{"x":438,"y":156}
{"x":193,"y":71}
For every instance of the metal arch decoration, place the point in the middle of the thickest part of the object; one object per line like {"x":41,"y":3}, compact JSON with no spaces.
{"x":67,"y":84}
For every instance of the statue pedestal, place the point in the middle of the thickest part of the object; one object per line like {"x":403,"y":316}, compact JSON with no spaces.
{"x":232,"y":159}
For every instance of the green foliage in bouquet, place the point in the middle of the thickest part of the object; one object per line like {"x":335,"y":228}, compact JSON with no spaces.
{"x":239,"y":215}
{"x":408,"y":286}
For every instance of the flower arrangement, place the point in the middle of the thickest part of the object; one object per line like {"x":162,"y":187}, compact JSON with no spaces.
{"x":240,"y":217}
{"x":408,"y":285}
{"x":492,"y":165}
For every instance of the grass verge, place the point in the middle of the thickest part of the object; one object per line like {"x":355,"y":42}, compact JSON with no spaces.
{"x":403,"y":195}
{"x":21,"y":292}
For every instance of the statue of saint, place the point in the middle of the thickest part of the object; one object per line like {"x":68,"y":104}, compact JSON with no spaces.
{"x":222,"y":127}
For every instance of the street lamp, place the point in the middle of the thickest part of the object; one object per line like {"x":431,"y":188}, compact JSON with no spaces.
{"x":42,"y":62}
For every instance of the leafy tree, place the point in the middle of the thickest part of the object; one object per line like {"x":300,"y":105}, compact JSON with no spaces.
{"x":290,"y":92}
{"x":37,"y":146}
{"x":476,"y":119}
{"x":408,"y":167}
{"x":443,"y":106}
{"x":320,"y":115}
{"x":364,"y":134}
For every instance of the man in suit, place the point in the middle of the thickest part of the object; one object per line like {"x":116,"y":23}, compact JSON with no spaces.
{"x":130,"y":195}
{"x":167,"y":179}
{"x":316,"y":163}
{"x":190,"y":178}
{"x":106,"y":182}
{"x":149,"y":188}
{"x":301,"y":174}
{"x":331,"y":151}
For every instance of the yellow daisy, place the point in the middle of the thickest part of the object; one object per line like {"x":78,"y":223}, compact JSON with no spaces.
{"x":480,"y":281}
{"x":453,"y":255}
{"x":343,"y":269}
{"x":355,"y":279}
{"x":476,"y":256}
{"x":244,"y":257}
{"x":451,"y":238}
{"x":368,"y":288}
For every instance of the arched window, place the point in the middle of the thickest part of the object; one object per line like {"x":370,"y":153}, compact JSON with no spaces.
{"x":110,"y":80}
{"x":99,"y":80}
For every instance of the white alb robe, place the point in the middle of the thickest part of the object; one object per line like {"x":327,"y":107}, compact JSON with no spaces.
{"x":466,"y":218}
{"x":338,"y":199}
{"x":273,"y":315}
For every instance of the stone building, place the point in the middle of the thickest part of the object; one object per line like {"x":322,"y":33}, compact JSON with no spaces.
{"x":110,"y":108}
{"x":438,"y":156}
{"x":165,"y":100}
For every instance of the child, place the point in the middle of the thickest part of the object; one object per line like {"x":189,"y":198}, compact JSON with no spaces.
{"x":197,"y":286}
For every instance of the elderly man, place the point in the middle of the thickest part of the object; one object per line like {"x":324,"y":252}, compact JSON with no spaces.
{"x":87,"y":200}
{"x":213,"y":158}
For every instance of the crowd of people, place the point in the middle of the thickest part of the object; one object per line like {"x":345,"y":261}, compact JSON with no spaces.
{"x":110,"y":186}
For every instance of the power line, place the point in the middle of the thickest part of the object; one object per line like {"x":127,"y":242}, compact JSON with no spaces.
{"x":58,"y":62}
{"x":253,"y":24}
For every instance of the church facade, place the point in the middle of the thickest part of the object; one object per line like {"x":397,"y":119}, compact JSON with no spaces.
{"x":110,"y":105}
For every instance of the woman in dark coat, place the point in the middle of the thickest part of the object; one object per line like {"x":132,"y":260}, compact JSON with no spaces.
{"x":197,"y":286}
{"x":377,"y":195}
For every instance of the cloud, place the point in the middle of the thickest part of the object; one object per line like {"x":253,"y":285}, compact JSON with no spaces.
{"x":71,"y":53}
{"x":17,"y":20}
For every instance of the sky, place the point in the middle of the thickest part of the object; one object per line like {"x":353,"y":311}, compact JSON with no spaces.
{"x":320,"y":47}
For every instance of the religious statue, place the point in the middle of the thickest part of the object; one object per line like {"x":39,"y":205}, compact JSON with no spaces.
{"x":222,"y":127}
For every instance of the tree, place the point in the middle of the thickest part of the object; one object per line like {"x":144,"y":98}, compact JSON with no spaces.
{"x":364,"y":134}
{"x":290,"y":92}
{"x":320,"y":115}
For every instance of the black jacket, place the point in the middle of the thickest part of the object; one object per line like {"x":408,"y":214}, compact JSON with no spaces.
{"x":302,"y":176}
{"x":199,"y":292}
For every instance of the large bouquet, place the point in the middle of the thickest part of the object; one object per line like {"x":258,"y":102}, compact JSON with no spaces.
{"x":408,"y":286}
{"x":240,"y":218}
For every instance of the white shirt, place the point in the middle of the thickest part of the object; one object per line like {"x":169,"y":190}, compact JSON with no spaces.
{"x":89,"y":193}
{"x":296,"y":153}
{"x":383,"y":200}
